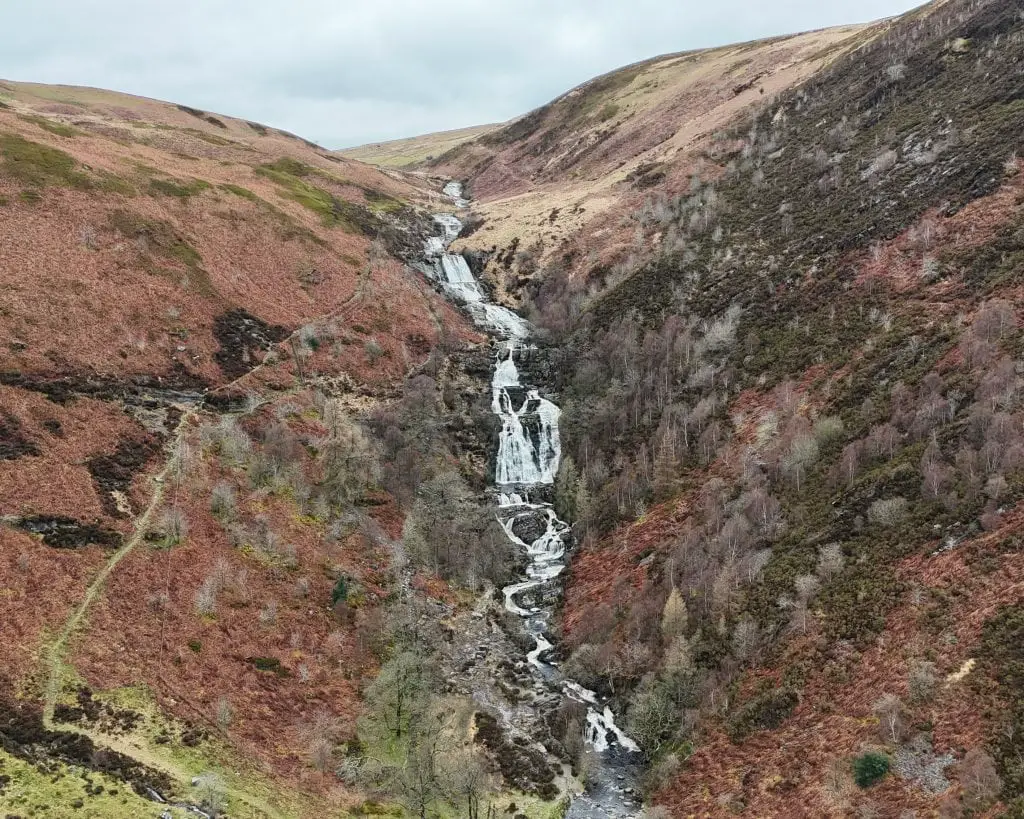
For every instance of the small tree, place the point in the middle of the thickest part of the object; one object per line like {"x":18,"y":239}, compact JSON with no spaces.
{"x":225,"y":714}
{"x":674,"y":616}
{"x":830,"y":561}
{"x":746,"y":639}
{"x":891,"y":715}
{"x":223,"y":501}
{"x":979,"y":778}
{"x":210,"y":793}
{"x":174,"y":526}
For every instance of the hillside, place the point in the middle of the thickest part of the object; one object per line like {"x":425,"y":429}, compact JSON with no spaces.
{"x":193,"y":328}
{"x":259,"y":547}
{"x":788,"y":342}
{"x":555,"y":183}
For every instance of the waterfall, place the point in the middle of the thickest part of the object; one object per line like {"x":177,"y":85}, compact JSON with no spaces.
{"x":529,"y":452}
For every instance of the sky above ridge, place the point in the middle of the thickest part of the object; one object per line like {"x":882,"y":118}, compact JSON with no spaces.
{"x":343,"y":73}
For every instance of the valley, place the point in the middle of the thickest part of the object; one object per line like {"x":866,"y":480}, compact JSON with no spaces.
{"x":657,"y":453}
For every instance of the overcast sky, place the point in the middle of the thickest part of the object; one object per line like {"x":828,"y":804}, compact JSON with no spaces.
{"x":343,"y":73}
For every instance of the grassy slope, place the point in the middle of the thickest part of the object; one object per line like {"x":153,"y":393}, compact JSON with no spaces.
{"x":413,"y":152}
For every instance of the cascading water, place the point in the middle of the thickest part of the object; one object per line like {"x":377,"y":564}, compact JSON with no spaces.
{"x":529,"y":452}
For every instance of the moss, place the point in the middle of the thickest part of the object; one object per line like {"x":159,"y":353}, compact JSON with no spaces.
{"x":39,"y":165}
{"x":381,"y":202}
{"x":181,"y":190}
{"x":110,"y":183}
{"x":57,"y":128}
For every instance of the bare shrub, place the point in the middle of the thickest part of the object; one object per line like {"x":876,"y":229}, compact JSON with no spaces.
{"x":830,"y":561}
{"x":224,"y":713}
{"x":888,"y":512}
{"x":223,"y":502}
{"x":373,"y":350}
{"x":921,"y":681}
{"x":268,"y":614}
{"x":173,"y":526}
{"x":227,"y":440}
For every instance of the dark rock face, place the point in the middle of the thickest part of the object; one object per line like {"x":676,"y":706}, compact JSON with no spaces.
{"x":64,"y":388}
{"x":522,"y":765}
{"x":241,"y":335}
{"x":529,"y":528}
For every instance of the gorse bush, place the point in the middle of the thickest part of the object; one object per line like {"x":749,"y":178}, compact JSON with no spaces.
{"x":870,"y":768}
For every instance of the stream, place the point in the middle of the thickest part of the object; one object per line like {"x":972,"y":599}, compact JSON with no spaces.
{"x":528,"y":456}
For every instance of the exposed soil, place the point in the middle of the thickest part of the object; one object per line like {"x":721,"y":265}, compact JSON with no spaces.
{"x":13,"y":443}
{"x":242,"y":336}
{"x":68,"y":533}
{"x":114,"y":472}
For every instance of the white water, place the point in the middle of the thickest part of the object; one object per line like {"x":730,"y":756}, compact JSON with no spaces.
{"x":528,"y":456}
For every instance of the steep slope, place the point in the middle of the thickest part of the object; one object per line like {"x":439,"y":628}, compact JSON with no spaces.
{"x":556,"y":183}
{"x":790,"y":369}
{"x":199,"y":316}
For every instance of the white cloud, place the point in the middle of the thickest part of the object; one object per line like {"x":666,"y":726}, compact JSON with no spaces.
{"x":343,"y":72}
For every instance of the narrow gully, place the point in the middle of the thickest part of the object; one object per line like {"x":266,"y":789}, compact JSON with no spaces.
{"x":527,"y":462}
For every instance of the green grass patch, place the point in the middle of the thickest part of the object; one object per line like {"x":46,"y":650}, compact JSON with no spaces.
{"x":57,"y":128}
{"x":248,"y":792}
{"x":381,"y":202}
{"x":181,"y":190}
{"x":291,"y":178}
{"x":111,"y":183}
{"x":212,"y":139}
{"x":241,"y":192}
{"x":57,"y":791}
{"x":39,"y":165}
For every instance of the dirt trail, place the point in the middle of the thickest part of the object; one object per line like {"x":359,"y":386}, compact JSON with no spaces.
{"x":58,"y":651}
